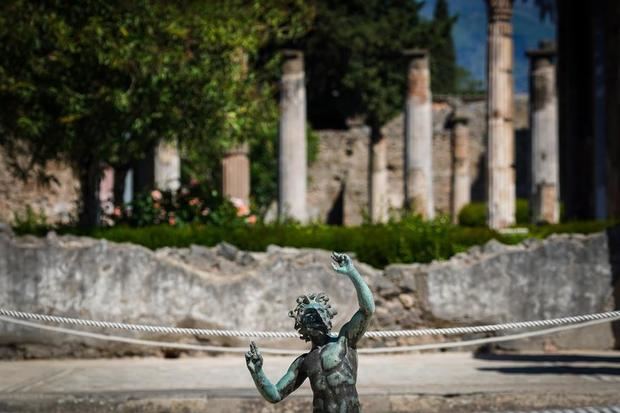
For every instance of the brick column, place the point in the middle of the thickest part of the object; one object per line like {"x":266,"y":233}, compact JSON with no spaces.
{"x":501,"y":190}
{"x":292,"y":141}
{"x":544,"y":197}
{"x":236,"y":174}
{"x":419,"y":136}
{"x":461,"y":186}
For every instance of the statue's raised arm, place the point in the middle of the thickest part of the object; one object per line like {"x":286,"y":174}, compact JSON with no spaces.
{"x":355,"y":328}
{"x":331,"y":363}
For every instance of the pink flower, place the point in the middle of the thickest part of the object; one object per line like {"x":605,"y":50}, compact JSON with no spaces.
{"x":205,"y":212}
{"x":156,"y":195}
{"x":251,"y":219}
{"x":242,"y":208}
{"x":193,"y":182}
{"x":171,"y":221}
{"x":117,"y":211}
{"x":194,"y":201}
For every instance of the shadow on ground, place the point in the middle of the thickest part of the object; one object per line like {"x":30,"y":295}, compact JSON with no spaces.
{"x":564,"y":364}
{"x":562,"y":370}
{"x":550,"y":358}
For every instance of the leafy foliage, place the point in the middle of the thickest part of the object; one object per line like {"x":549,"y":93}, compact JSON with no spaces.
{"x":30,"y":222}
{"x":190,"y":204}
{"x":466,"y":84}
{"x":354,"y":59}
{"x":101,"y":81}
{"x":475,"y":213}
{"x":443,"y":57}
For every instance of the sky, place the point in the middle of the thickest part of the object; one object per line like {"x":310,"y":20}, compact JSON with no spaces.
{"x":470,"y":33}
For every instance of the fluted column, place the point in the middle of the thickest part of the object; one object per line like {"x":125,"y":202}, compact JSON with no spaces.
{"x":419,"y":136}
{"x":292,"y":140}
{"x":236,"y":174}
{"x":544,"y":200}
{"x":461,"y":192}
{"x":501,"y":190}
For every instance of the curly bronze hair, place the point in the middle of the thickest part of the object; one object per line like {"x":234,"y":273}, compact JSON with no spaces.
{"x":320,"y":301}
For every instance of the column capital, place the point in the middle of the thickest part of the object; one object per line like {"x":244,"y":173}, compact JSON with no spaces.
{"x":238,"y":149}
{"x":415,"y":53}
{"x":499,"y":10}
{"x":418,"y":58}
{"x":458,"y":117}
{"x":543,"y":55}
{"x":293,"y":61}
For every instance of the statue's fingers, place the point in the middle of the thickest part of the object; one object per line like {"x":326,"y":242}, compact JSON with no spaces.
{"x":255,"y":351}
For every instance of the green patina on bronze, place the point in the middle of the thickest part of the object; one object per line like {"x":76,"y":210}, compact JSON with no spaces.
{"x":331,"y":364}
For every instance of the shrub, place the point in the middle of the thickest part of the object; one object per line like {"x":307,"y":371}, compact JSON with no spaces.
{"x":410,"y":240}
{"x":475,"y":214}
{"x":190,"y":204}
{"x":522,"y":211}
{"x":30,"y":222}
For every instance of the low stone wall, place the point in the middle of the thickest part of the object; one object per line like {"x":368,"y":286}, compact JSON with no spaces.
{"x":227,"y":288}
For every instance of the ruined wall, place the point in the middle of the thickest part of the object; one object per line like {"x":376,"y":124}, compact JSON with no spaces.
{"x":222,"y":287}
{"x":338,"y":179}
{"x":58,"y":201}
{"x":339,"y":176}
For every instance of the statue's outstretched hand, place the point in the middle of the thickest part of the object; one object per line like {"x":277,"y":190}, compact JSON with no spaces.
{"x":341,"y":263}
{"x":253,"y":359}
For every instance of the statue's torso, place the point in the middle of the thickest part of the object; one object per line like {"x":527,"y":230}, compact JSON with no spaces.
{"x":332,"y":370}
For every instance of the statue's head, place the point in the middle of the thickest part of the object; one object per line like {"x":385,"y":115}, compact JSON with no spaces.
{"x":313,"y":315}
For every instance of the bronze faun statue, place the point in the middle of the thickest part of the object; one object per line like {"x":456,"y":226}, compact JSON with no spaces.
{"x":331,"y":364}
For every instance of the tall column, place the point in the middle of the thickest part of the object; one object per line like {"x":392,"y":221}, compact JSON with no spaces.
{"x":501,"y":190}
{"x":419,"y":136}
{"x":378,"y":191}
{"x":292,"y":141}
{"x":236,"y":174}
{"x":544,"y":200}
{"x":461,"y":187}
{"x":167,"y":166}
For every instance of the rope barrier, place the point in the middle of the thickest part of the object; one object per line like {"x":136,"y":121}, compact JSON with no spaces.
{"x":374,"y":350}
{"x":285,"y":334}
{"x":14,"y":316}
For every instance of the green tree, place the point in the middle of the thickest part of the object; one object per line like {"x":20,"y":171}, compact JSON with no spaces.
{"x":466,"y":84}
{"x":103,"y":80}
{"x":443,"y":58}
{"x":355,"y":63}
